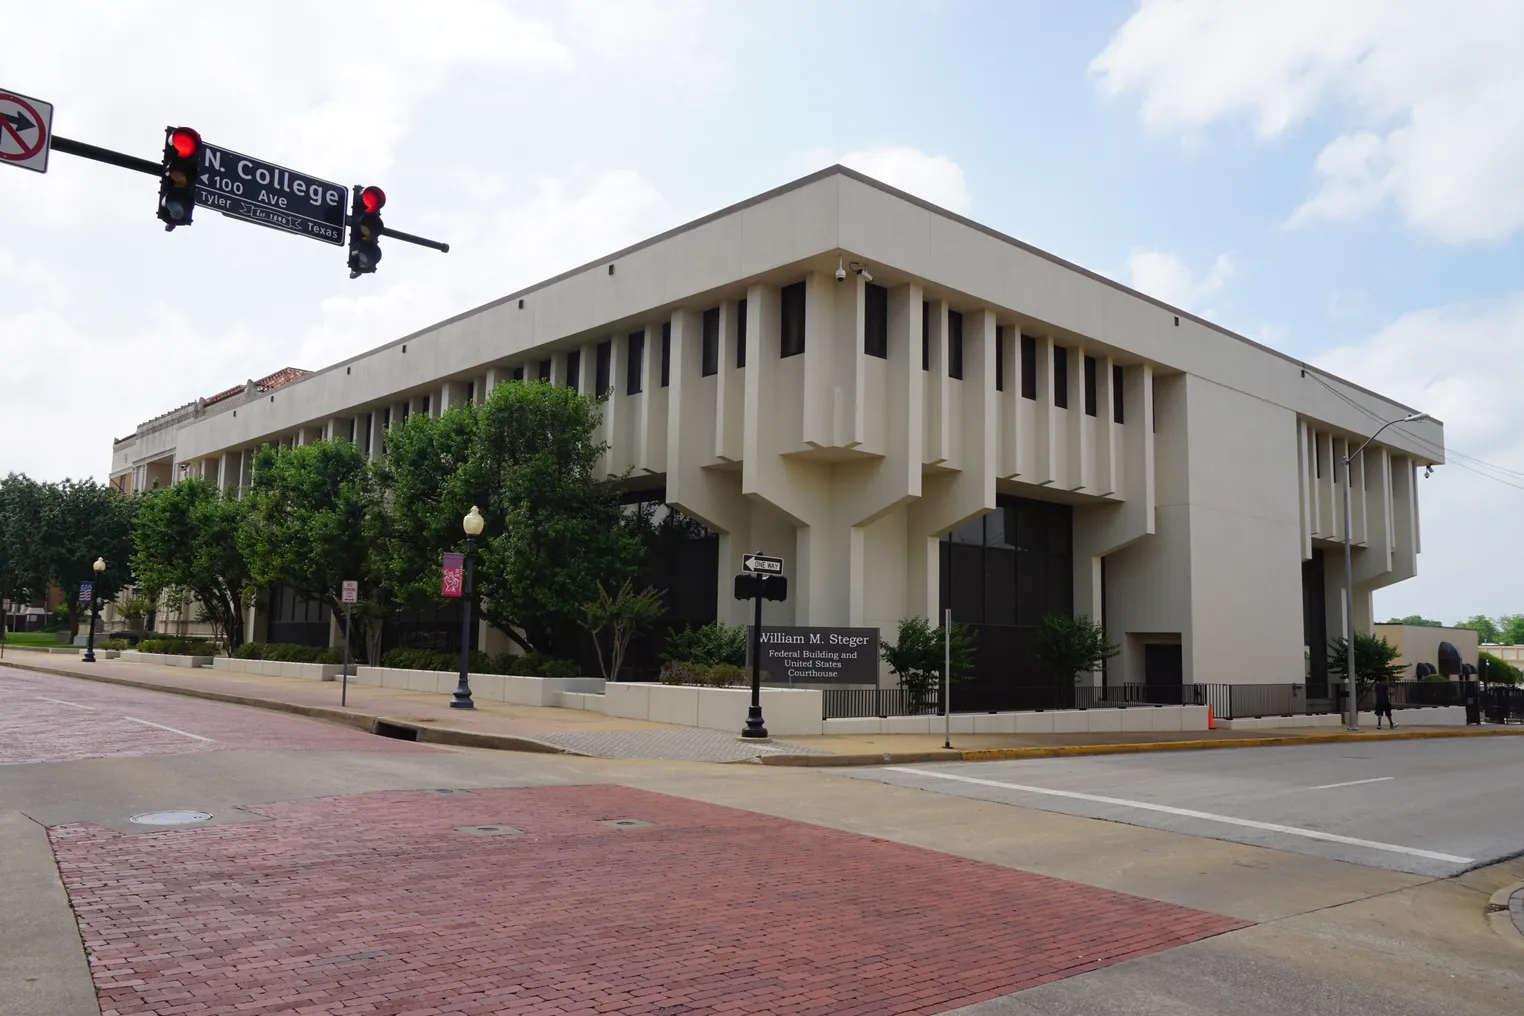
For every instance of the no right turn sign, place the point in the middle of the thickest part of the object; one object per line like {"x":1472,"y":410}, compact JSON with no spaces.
{"x":26,"y":131}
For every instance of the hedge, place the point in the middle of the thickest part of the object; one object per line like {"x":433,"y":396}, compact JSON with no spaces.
{"x":287,"y":652}
{"x":180,"y":647}
{"x":719,"y":675}
{"x":525,"y":664}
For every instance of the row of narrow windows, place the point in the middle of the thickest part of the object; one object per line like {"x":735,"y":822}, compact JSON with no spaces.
{"x":875,"y":343}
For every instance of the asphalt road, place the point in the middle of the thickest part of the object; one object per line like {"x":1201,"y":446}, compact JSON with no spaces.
{"x":1431,"y":807}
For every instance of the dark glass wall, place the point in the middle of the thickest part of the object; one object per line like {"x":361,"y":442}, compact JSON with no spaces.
{"x":296,"y":619}
{"x":1002,"y":574}
{"x":1315,"y":625}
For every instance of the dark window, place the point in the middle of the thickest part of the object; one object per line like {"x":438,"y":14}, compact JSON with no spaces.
{"x":876,"y":321}
{"x":925,"y":335}
{"x":427,"y":402}
{"x":1317,"y":458}
{"x":999,"y":359}
{"x":603,"y":367}
{"x":1061,"y":377}
{"x":1116,"y":394}
{"x":574,"y":369}
{"x":1090,"y":386}
{"x":666,"y":353}
{"x":1315,"y":625}
{"x":1003,"y":573}
{"x":711,"y":357}
{"x":1028,"y":367}
{"x":955,"y":345}
{"x":741,"y":334}
{"x":471,"y":391}
{"x":635,"y":350}
{"x":544,"y":370}
{"x":406,"y":408}
{"x":386,"y":418}
{"x":792,"y":330}
{"x":518,"y":373}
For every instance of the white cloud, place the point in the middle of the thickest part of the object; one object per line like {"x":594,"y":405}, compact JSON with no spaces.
{"x":936,"y":178}
{"x":1431,"y":96}
{"x":1465,"y":365}
{"x":1165,"y":277}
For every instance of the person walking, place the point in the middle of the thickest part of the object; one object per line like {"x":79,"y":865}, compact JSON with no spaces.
{"x":1384,"y":704}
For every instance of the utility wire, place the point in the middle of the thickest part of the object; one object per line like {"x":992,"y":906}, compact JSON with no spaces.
{"x":1469,"y":463}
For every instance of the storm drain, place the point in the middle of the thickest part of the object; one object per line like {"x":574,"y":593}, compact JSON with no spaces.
{"x":490,"y":830}
{"x":625,"y":823}
{"x":446,"y":791}
{"x":171,"y":818}
{"x":397,"y":730}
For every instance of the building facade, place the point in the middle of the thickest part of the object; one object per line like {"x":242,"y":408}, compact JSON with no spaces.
{"x":919,"y":413}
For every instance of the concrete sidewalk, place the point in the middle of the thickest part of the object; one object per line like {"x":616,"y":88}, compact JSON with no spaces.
{"x":428,"y":717}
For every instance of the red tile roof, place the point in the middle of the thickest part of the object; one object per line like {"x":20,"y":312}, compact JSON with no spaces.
{"x":284,"y":376}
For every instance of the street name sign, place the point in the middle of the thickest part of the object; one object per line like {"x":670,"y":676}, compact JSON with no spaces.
{"x":26,"y":131}
{"x":762,"y":564}
{"x":351,"y":591}
{"x":242,"y":187}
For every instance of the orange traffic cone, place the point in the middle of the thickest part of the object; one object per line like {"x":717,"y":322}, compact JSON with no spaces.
{"x":1211,"y":720}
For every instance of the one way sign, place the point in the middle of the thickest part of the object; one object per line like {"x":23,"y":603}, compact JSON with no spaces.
{"x":761,"y":563}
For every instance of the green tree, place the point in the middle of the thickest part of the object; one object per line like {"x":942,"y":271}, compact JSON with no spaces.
{"x":1495,"y":670}
{"x":313,"y":523}
{"x":24,"y":572}
{"x":621,"y":615}
{"x":918,"y":653}
{"x":555,"y":533}
{"x":1485,"y":627}
{"x":1375,"y":660}
{"x":80,"y":521}
{"x":187,"y":537}
{"x":1513,"y":629}
{"x":711,"y":644}
{"x":1415,"y":619}
{"x":1073,"y":644}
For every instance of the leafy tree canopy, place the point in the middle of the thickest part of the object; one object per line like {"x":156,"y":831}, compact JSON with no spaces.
{"x":1374,"y":660}
{"x":1486,"y":629}
{"x":187,"y":536}
{"x":1416,"y":619}
{"x":918,"y":653}
{"x":1073,"y":644}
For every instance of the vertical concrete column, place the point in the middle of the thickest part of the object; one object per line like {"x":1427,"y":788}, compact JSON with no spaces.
{"x":225,"y":472}
{"x":1008,"y":353}
{"x":644,"y":420}
{"x":730,"y":387}
{"x":936,"y":399}
{"x":1304,"y":481}
{"x":1105,"y":438}
{"x":1045,"y":467}
{"x":1079,"y":425}
{"x":818,"y":425}
{"x":377,"y":434}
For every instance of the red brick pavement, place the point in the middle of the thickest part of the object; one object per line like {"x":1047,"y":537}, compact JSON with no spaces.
{"x":55,"y":719}
{"x":377,"y":904}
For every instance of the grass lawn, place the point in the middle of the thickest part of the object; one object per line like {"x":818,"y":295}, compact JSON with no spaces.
{"x":32,"y":638}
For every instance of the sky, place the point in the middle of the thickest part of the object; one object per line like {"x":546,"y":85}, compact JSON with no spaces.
{"x":1340,"y":181}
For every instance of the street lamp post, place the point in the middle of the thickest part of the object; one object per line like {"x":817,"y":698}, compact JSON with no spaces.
{"x":472,"y":524}
{"x":95,"y":609}
{"x":1352,"y":714}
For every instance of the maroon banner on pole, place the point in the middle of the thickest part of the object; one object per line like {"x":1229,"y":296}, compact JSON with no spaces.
{"x":454,"y":575}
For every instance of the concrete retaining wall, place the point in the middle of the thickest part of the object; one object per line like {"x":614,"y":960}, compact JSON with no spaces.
{"x":1281,"y":722}
{"x":787,"y":711}
{"x":277,"y":668}
{"x":1420,"y":716}
{"x":166,"y":659}
{"x":524,"y":691}
{"x":1056,"y":721}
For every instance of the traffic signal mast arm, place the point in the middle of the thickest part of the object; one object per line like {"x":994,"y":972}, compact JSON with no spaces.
{"x":106,"y":155}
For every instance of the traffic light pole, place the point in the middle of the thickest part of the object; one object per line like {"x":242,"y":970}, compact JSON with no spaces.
{"x":397,"y":234}
{"x":106,"y":155}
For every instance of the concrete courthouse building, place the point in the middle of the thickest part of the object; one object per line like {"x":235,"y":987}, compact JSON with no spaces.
{"x":916,"y":412}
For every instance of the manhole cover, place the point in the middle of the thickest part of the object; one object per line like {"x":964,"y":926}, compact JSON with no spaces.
{"x":490,"y":830}
{"x":171,"y":817}
{"x":625,"y":823}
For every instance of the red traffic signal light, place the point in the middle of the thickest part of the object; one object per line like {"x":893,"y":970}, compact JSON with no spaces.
{"x":372,"y":200}
{"x":184,"y":141}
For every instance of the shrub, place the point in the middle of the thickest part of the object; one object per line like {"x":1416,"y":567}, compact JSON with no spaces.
{"x":288,"y":652}
{"x":718,"y":675}
{"x":1073,"y":644}
{"x":523,"y":665}
{"x":180,"y":647}
{"x":916,"y":656}
{"x":115,"y":644}
{"x":715,"y":642}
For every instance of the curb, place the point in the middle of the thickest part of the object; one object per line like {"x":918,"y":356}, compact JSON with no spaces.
{"x":425,"y":733}
{"x":1070,"y":750}
{"x":1501,"y":918}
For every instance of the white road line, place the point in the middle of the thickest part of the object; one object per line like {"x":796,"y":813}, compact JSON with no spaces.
{"x":61,"y":702}
{"x":1311,"y":834}
{"x":1352,"y":783}
{"x":172,"y":730}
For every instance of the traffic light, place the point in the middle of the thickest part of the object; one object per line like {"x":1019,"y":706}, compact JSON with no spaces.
{"x":365,"y":231}
{"x":177,"y":184}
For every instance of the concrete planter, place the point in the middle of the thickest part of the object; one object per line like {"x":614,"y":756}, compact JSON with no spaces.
{"x":166,"y":659}
{"x":787,"y":711}
{"x":524,"y":691}
{"x":1053,"y":721}
{"x":278,"y":668}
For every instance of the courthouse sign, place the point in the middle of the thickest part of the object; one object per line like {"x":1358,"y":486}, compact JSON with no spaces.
{"x":819,"y":655}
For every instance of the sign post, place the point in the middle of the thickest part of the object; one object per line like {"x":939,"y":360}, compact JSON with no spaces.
{"x":350,"y":595}
{"x":947,"y":676}
{"x":761,"y":579}
{"x":26,"y":131}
